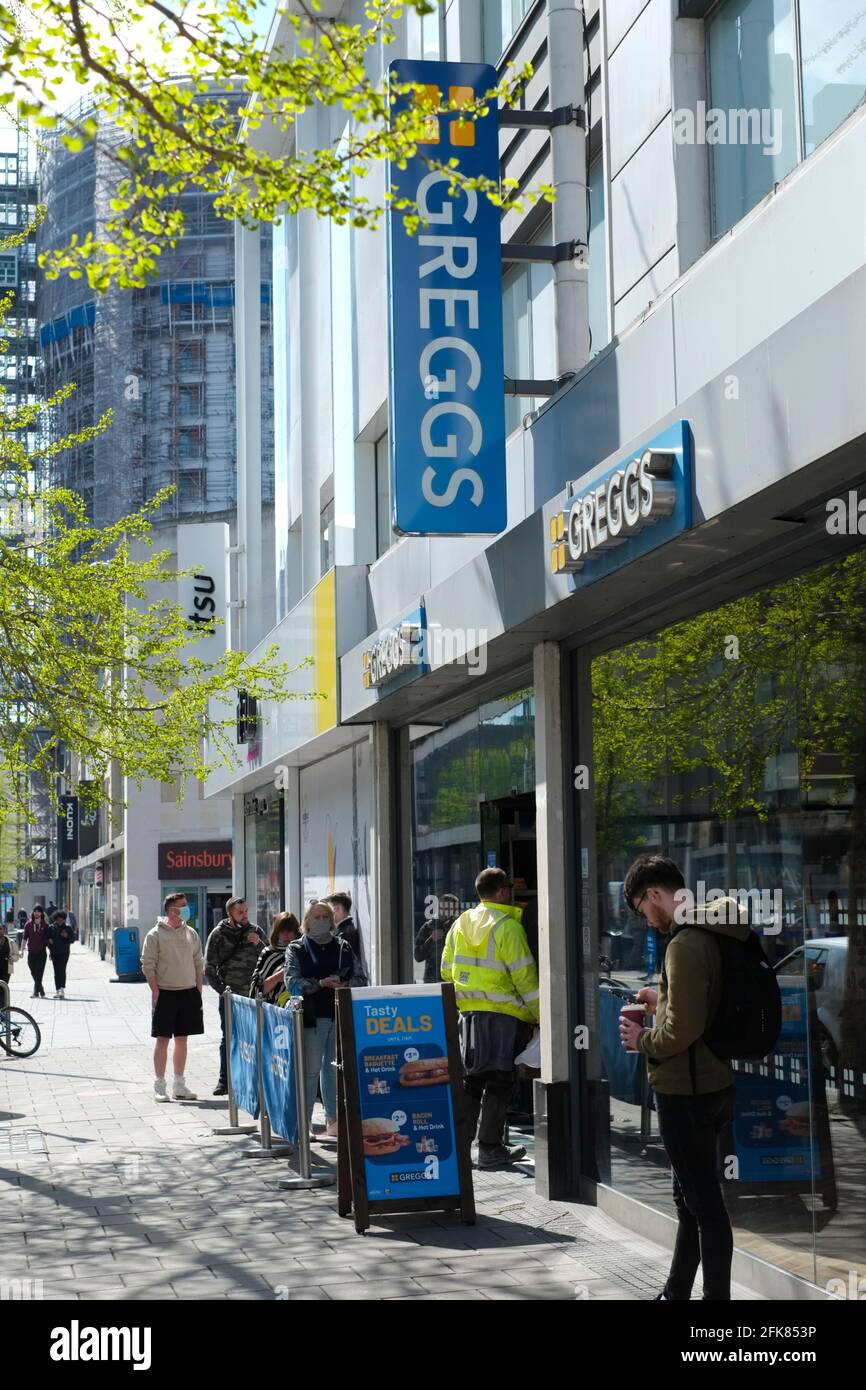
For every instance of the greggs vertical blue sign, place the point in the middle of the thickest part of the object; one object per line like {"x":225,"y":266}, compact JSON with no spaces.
{"x":447,"y":426}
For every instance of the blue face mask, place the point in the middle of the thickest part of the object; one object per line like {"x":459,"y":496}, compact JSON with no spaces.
{"x":186,"y":913}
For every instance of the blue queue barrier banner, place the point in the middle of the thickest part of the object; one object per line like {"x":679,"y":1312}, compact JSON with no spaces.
{"x":278,"y":1071}
{"x":245,"y":1081}
{"x":407,"y":1117}
{"x":447,"y":434}
{"x":621,"y":1069}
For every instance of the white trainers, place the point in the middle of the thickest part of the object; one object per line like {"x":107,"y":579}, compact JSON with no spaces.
{"x":180,"y":1090}
{"x":160,"y":1094}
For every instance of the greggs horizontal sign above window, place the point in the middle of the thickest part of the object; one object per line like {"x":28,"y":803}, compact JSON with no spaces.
{"x":447,"y":431}
{"x":638,"y":505}
{"x":397,"y":651}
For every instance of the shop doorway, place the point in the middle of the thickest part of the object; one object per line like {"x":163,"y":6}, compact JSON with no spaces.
{"x":215,"y":910}
{"x":509,"y":840}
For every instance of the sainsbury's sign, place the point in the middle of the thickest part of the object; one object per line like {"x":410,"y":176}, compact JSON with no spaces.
{"x":447,"y":426}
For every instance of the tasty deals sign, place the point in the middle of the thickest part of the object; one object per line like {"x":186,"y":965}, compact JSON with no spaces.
{"x":404,"y":1084}
{"x":447,"y":427}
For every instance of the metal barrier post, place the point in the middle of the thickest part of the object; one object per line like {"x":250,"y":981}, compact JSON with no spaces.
{"x":232,"y":1127}
{"x":267,"y":1149}
{"x":307,"y":1178}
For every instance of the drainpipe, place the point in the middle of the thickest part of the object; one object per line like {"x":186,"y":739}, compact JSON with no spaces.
{"x":565,"y":26}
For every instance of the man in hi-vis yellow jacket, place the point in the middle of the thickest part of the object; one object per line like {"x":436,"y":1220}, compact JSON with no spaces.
{"x":487,"y":959}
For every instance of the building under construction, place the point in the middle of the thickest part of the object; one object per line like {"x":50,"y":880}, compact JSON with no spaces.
{"x":28,"y":844}
{"x":161,"y":359}
{"x":18,"y":270}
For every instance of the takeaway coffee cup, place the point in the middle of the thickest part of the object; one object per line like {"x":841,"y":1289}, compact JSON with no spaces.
{"x":635,"y":1013}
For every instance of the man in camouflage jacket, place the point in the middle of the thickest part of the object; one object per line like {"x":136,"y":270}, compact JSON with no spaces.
{"x":232,"y":951}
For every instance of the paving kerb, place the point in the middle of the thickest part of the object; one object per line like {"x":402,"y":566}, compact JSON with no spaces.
{"x":135,"y":1200}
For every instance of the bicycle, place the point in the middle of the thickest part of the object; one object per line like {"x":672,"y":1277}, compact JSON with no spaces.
{"x":20,"y":1034}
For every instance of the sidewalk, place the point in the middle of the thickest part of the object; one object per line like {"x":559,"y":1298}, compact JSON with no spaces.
{"x":106,"y":1195}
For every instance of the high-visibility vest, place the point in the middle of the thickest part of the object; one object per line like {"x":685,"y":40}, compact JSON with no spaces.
{"x":487,"y":959}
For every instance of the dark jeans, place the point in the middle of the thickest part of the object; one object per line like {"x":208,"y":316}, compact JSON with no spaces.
{"x":60,"y":960}
{"x":222,"y":1013}
{"x":690,"y":1127}
{"x":487,"y":1098}
{"x":36,"y":961}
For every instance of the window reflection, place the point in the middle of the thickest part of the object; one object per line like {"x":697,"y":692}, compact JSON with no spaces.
{"x":738,"y":748}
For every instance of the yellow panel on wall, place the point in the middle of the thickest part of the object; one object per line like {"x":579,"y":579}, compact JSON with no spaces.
{"x":325,"y":632}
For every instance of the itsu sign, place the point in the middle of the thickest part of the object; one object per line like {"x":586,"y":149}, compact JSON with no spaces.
{"x":203,"y":549}
{"x":447,"y":425}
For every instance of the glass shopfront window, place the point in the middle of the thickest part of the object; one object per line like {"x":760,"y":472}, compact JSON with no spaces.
{"x":473,"y":804}
{"x":739,"y":749}
{"x":264,"y":866}
{"x":783,"y":75}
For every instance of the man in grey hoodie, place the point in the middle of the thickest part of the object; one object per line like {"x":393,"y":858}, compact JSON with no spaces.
{"x":171,"y":959}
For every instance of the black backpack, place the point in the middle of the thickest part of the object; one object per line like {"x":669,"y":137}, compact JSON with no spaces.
{"x":748,"y":1020}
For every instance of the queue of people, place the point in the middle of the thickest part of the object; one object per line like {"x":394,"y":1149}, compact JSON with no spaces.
{"x":312,"y":958}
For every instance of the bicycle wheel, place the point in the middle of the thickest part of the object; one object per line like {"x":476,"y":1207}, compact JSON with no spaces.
{"x":19,"y":1033}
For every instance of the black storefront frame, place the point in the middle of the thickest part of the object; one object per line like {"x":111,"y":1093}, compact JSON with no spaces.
{"x":561,"y":1107}
{"x":753,"y":574}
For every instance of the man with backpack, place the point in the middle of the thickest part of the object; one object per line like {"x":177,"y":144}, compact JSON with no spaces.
{"x":717,"y":999}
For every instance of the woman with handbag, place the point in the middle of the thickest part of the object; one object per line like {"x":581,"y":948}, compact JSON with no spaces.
{"x":269,"y":976}
{"x":36,"y":934}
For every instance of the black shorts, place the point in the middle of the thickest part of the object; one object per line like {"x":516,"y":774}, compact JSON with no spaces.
{"x":177,"y":1014}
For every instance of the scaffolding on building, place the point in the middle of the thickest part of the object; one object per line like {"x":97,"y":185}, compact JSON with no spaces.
{"x":18,"y":270}
{"x":161,"y":359}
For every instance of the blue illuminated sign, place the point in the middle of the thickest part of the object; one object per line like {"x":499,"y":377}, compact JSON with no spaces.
{"x":447,"y":412}
{"x":639,"y":504}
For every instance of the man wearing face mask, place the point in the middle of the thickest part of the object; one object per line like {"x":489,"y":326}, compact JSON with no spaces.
{"x":171,"y":960}
{"x":233,"y":949}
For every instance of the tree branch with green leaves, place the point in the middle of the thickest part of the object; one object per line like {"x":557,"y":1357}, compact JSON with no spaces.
{"x":168,"y":80}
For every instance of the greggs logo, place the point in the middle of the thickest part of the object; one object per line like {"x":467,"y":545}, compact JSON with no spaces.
{"x":395,"y":651}
{"x":632,"y":497}
{"x":460,"y":132}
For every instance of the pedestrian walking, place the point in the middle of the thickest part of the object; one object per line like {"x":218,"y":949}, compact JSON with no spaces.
{"x":269,"y":976}
{"x":317,"y":966}
{"x":233,"y":950}
{"x":487,"y":958}
{"x":9,"y":953}
{"x":172,"y":962}
{"x":36,"y":932}
{"x":22,"y":923}
{"x":693,"y":1086}
{"x":60,"y":939}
